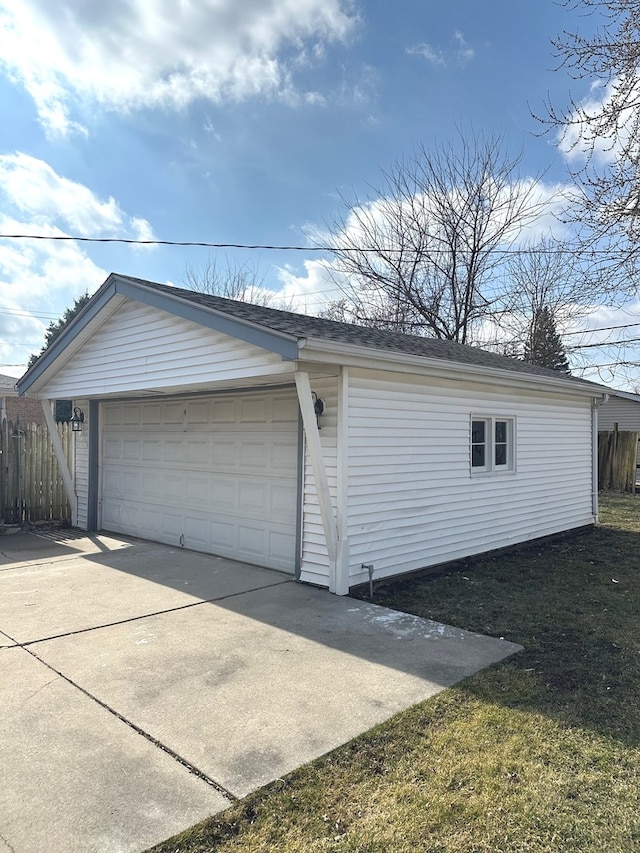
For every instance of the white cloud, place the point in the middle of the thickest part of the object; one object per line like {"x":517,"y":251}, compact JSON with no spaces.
{"x":125,"y":54}
{"x":460,"y":54}
{"x":39,"y":279}
{"x":311,"y":291}
{"x":577,"y":139}
{"x":35,"y":190}
{"x":435,"y":57}
{"x":464,"y":53}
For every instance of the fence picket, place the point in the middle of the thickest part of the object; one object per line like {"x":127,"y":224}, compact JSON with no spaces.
{"x":617,"y":453}
{"x":31,"y":486}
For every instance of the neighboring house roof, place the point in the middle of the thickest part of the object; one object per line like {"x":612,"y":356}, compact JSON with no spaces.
{"x":625,"y":395}
{"x":280,"y":331}
{"x":8,"y":386}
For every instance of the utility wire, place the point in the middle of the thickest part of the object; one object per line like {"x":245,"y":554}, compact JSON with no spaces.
{"x":284,"y":248}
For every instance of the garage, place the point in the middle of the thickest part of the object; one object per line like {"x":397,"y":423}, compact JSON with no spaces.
{"x":216,"y":473}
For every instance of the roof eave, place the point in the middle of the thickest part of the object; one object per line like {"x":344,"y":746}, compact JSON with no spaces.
{"x":319,"y":350}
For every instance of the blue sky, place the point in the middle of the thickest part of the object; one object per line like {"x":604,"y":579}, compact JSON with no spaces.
{"x":238,"y":121}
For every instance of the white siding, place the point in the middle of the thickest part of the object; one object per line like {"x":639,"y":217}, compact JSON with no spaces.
{"x":141,"y":348}
{"x":81,"y":465}
{"x":625,"y":413}
{"x":619,"y":411}
{"x":412,"y":499}
{"x":315,"y":559}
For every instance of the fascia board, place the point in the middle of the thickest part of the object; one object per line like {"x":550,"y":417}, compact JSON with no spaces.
{"x":80,"y":327}
{"x":351,"y":355}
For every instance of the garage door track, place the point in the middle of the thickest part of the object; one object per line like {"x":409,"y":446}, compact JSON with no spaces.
{"x":144,"y":687}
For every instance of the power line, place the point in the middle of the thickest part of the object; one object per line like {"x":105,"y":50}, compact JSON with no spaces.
{"x":201,"y":243}
{"x":599,"y":329}
{"x":23,"y":312}
{"x":604,"y":344}
{"x":280,"y":248}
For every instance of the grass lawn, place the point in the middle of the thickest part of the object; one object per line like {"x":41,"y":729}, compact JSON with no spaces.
{"x":538,"y":753}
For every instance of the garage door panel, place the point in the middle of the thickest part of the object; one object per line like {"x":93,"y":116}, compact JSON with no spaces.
{"x":151,"y":450}
{"x":280,"y":458}
{"x":252,"y":543}
{"x":221,"y":478}
{"x":151,"y":414}
{"x":130,"y":483}
{"x":282,"y":502}
{"x":253,"y":410}
{"x":224,"y":411}
{"x":131,"y":415}
{"x":280,"y":545}
{"x":224,"y":494}
{"x":251,"y":455}
{"x":252,"y":498}
{"x":112,"y":449}
{"x":197,"y":494}
{"x":130,"y":448}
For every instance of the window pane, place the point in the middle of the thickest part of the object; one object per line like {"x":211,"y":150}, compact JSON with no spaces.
{"x":501,"y":454}
{"x":501,"y":432}
{"x":477,"y":432}
{"x":477,"y":456}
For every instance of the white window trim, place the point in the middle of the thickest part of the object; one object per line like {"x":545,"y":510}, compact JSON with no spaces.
{"x":490,"y":468}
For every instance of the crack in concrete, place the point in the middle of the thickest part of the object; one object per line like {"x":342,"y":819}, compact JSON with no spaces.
{"x":191,"y":768}
{"x":145,"y":615}
{"x":7,"y":845}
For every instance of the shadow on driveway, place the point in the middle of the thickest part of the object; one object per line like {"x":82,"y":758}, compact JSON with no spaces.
{"x":233,"y":675}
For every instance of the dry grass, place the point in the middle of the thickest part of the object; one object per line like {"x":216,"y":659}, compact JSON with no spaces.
{"x":539,"y":753}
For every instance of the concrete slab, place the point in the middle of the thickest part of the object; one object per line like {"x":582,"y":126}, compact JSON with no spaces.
{"x":251,"y":687}
{"x":235,"y":669}
{"x":76,"y":779}
{"x":49,"y":545}
{"x":107,"y":579}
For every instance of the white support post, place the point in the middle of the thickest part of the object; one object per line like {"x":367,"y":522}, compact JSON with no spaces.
{"x":62,"y":461}
{"x":303,"y":387}
{"x":342,"y":503}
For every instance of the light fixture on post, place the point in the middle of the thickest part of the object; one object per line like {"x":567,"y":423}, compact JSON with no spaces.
{"x":318,"y":407}
{"x":77,"y":420}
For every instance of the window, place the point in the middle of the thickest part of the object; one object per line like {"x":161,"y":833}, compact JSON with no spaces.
{"x":492,"y":444}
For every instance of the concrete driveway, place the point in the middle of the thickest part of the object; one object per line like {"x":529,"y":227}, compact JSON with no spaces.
{"x":144,"y":687}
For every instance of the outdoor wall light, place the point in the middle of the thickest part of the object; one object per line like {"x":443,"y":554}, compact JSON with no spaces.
{"x":318,"y":406}
{"x":77,"y":420}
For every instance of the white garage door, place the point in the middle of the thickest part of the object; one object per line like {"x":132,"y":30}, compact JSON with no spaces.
{"x":215,"y":474}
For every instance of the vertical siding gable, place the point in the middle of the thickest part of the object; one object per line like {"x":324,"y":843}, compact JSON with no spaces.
{"x":140,"y":346}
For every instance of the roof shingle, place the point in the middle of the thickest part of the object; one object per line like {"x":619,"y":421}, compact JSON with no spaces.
{"x":306,"y":326}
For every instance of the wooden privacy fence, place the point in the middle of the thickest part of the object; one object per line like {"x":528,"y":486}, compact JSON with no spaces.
{"x":617,"y":458}
{"x":31,"y":486}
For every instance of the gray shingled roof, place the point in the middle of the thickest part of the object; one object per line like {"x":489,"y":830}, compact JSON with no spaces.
{"x":305,"y":326}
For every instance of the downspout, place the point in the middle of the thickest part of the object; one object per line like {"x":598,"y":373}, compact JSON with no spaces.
{"x":303,"y":387}
{"x":62,"y":460}
{"x":595,"y":405}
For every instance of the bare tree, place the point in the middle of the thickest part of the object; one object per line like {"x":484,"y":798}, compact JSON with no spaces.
{"x":603,"y":130}
{"x":546,"y":277}
{"x":422,"y":253}
{"x":242,"y":282}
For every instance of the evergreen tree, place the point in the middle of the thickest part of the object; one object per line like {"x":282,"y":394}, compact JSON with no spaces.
{"x":55,"y":327}
{"x":544,"y":345}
